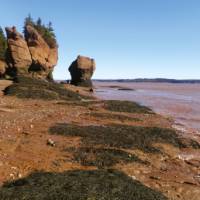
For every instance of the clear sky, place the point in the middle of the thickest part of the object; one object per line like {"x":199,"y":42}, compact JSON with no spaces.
{"x":127,"y":38}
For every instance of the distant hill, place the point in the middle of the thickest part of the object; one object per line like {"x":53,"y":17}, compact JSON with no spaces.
{"x":146,"y":80}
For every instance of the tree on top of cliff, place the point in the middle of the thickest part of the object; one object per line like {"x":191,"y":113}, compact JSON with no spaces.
{"x":28,"y":21}
{"x":46,"y":31}
{"x":3,"y":45}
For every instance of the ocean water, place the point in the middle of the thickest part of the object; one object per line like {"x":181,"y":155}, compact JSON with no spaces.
{"x":179,"y":101}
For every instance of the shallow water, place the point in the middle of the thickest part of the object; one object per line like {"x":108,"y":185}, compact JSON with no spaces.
{"x":179,"y":101}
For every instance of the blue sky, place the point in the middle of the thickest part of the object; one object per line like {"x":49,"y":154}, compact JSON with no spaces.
{"x":127,"y":38}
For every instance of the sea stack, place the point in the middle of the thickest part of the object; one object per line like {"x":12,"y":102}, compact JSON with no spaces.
{"x":31,"y":54}
{"x":81,"y":71}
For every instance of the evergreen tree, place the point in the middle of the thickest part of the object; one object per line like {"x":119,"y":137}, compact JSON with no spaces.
{"x":39,"y":22}
{"x":46,"y":32}
{"x":3,"y":45}
{"x":28,"y":20}
{"x":49,"y":26}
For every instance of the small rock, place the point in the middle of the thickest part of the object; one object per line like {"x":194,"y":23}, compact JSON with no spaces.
{"x":25,"y":133}
{"x":12,"y":176}
{"x":50,"y":142}
{"x":155,"y":177}
{"x":19,"y":175}
{"x":91,"y":90}
{"x":133,"y":177}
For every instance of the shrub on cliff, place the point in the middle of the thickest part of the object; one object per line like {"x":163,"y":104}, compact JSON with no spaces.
{"x":46,"y":31}
{"x":3,"y":45}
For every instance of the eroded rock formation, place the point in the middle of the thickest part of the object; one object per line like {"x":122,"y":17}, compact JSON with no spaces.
{"x":81,"y":71}
{"x":3,"y":67}
{"x":19,"y":55}
{"x":29,"y":55}
{"x":44,"y":58}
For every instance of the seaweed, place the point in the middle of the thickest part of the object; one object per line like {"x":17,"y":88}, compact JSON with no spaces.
{"x":32,"y":88}
{"x":113,"y":116}
{"x":123,"y":136}
{"x":126,"y":106}
{"x":103,"y":157}
{"x":79,"y":103}
{"x":79,"y":185}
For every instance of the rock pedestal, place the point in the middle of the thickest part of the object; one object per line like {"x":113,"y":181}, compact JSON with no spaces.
{"x":81,"y":71}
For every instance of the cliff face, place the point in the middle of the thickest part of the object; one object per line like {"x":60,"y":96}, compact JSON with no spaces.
{"x":3,"y":67}
{"x":81,"y":71}
{"x":20,"y":57}
{"x":43,"y":57}
{"x":29,"y":55}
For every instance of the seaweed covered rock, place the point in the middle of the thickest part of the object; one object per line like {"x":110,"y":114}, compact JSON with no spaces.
{"x":79,"y":185}
{"x":81,"y":71}
{"x":34,"y":88}
{"x":44,"y":56}
{"x":19,"y":57}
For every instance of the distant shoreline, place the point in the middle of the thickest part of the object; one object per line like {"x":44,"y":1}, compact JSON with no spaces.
{"x":146,"y":80}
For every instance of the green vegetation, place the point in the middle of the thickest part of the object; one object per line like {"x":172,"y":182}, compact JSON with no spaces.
{"x":113,"y":117}
{"x":102,"y":157}
{"x":126,"y":106}
{"x":121,"y":136}
{"x":3,"y":45}
{"x":46,"y":31}
{"x":79,"y":103}
{"x":79,"y":185}
{"x":26,"y":87}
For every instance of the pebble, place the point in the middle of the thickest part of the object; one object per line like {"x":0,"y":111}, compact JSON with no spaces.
{"x":15,"y":168}
{"x":12,"y":176}
{"x":50,"y":142}
{"x":19,"y":175}
{"x":133,"y":177}
{"x":155,"y":177}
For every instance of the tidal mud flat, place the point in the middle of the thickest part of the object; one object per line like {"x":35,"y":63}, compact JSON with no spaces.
{"x":58,"y":141}
{"x":178,"y":101}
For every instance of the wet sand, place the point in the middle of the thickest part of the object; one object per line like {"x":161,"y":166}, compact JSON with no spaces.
{"x":25,"y":126}
{"x":178,"y":101}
